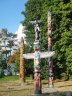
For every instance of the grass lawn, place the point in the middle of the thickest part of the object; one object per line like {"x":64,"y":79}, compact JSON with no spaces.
{"x":11,"y":86}
{"x":12,"y":78}
{"x":9,"y":78}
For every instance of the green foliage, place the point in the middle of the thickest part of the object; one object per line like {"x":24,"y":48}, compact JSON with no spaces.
{"x":44,"y":69}
{"x":17,"y":62}
{"x":9,"y":70}
{"x":62,"y":31}
{"x":1,"y":73}
{"x":32,"y":12}
{"x":69,"y":59}
{"x":28,"y":63}
{"x":3,"y":64}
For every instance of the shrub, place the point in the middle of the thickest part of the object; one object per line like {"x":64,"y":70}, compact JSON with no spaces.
{"x":1,"y":73}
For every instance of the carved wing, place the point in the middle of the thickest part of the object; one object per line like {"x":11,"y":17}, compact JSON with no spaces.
{"x":46,"y":54}
{"x":28,"y":56}
{"x":42,"y":55}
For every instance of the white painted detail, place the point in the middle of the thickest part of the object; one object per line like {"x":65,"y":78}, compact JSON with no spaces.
{"x":42,"y":55}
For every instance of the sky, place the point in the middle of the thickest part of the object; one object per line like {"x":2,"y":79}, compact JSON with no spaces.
{"x":10,"y":14}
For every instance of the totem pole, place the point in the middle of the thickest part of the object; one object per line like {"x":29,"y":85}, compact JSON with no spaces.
{"x":22,"y":69}
{"x":37,"y":70}
{"x":50,"y":59}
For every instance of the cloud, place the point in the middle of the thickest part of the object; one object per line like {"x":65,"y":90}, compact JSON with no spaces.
{"x":20,"y":33}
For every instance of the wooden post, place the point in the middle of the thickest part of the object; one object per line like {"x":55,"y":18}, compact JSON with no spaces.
{"x":37,"y":69}
{"x":22,"y":67}
{"x":50,"y":59}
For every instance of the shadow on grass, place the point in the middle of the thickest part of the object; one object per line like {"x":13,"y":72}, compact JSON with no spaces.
{"x":57,"y":94}
{"x":43,"y":94}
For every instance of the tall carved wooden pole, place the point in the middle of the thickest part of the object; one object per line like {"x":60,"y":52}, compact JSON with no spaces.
{"x":50,"y":59}
{"x":22,"y":67}
{"x":37,"y":69}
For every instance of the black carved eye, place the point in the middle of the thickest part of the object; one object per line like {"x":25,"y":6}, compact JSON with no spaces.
{"x":36,"y":30}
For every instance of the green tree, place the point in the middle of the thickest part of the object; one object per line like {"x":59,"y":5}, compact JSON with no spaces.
{"x":17,"y":62}
{"x":33,"y":11}
{"x":10,"y":45}
{"x":62,"y":31}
